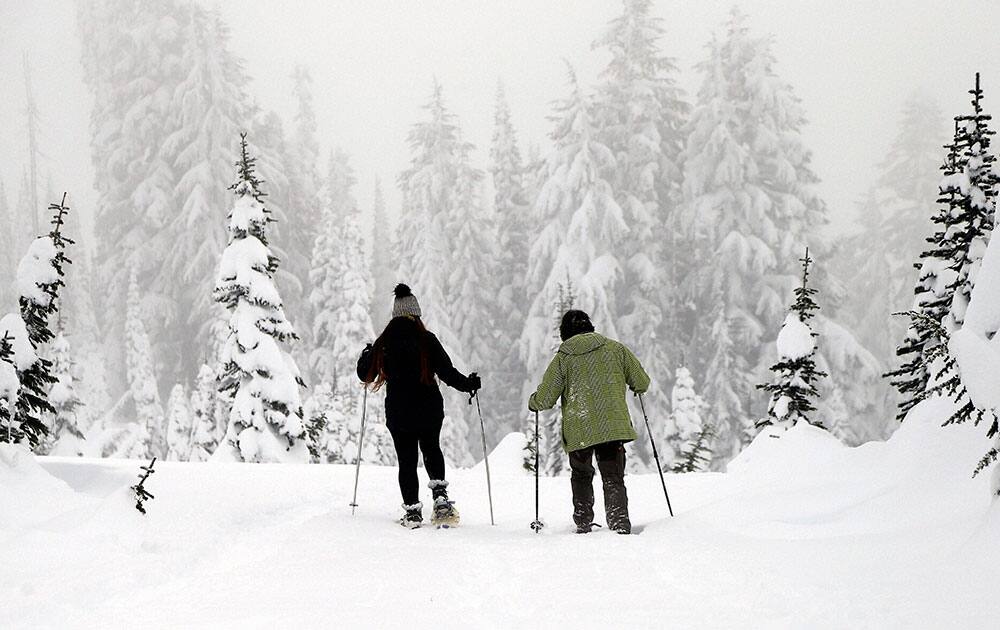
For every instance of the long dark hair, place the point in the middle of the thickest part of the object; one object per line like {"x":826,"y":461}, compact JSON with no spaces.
{"x":401,"y":330}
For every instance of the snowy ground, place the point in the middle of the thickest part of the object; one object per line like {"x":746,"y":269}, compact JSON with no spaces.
{"x":801,"y":533}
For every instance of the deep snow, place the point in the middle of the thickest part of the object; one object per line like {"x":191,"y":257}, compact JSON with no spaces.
{"x":801,"y":532}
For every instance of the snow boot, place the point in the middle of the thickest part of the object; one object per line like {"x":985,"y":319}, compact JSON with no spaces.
{"x":413,"y":517}
{"x":445,"y":515}
{"x":586,"y":529}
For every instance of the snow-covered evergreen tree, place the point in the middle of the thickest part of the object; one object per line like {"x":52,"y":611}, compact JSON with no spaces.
{"x":640,"y":113}
{"x":430,"y":192}
{"x":796,"y":376}
{"x":696,"y":454}
{"x":948,"y":269}
{"x":750,"y":207}
{"x":39,"y":281}
{"x":383,"y":262}
{"x":685,"y":423}
{"x":208,"y":415}
{"x":65,"y":436}
{"x":578,"y":221}
{"x":265,"y":422}
{"x":878,"y":260}
{"x":8,"y":246}
{"x":179,"y":425}
{"x":142,"y":375}
{"x":511,"y":207}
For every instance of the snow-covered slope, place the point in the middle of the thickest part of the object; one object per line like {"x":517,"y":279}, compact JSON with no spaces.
{"x":801,"y":532}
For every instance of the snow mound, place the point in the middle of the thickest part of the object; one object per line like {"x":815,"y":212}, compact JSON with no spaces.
{"x":795,"y":339}
{"x":29,"y":494}
{"x":508,"y":456}
{"x":776,"y":451}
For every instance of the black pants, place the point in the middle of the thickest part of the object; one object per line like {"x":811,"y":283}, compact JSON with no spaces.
{"x":611,"y":463}
{"x":426,"y":437}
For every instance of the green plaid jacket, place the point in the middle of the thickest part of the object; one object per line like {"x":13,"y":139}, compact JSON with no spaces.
{"x":589,"y":373}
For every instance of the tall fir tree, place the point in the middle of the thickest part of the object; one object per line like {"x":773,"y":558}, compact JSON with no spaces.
{"x":383,"y":263}
{"x":7,"y":249}
{"x":685,"y":422}
{"x":179,"y":426}
{"x":39,"y":282}
{"x":640,"y":113}
{"x":750,"y":206}
{"x":265,"y":422}
{"x":796,"y":376}
{"x":948,"y":268}
{"x":66,"y":435}
{"x":578,"y":221}
{"x":511,"y":207}
{"x":208,"y":415}
{"x":429,"y":189}
{"x":142,"y":382}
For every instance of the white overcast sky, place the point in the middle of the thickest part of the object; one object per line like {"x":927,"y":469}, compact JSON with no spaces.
{"x":851,"y":62}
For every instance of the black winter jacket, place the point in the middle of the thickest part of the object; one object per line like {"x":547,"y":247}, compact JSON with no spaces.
{"x":409,"y":403}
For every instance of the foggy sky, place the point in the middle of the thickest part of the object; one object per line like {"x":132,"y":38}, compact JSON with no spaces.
{"x":372,"y":61}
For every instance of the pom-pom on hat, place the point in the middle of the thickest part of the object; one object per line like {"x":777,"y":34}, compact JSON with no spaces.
{"x":405,"y":302}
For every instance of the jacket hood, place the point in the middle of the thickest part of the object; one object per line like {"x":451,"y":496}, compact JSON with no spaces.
{"x":582,"y":343}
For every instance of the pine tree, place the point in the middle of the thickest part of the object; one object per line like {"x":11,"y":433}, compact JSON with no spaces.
{"x":65,"y":433}
{"x":947,"y":274}
{"x":39,"y":281}
{"x":685,"y":422}
{"x":265,"y":423}
{"x":142,"y":375}
{"x":383,"y":265}
{"x":794,"y":388}
{"x":208,"y":422}
{"x":511,"y":207}
{"x":750,"y":206}
{"x":697,"y":453}
{"x":640,"y":113}
{"x":429,"y":190}
{"x":179,"y":425}
{"x":208,"y":107}
{"x":578,"y":221}
{"x":132,"y":55}
{"x":893,"y":217}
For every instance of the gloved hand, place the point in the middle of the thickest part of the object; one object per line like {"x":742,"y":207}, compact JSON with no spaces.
{"x":475,"y":383}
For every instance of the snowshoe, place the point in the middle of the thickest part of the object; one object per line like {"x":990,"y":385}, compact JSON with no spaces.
{"x":586,"y":529}
{"x":413,"y":517}
{"x":445,"y":514}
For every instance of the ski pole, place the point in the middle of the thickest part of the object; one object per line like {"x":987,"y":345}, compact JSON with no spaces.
{"x":656,"y":456}
{"x":486,"y":457}
{"x":537,"y":524}
{"x":361,"y":441}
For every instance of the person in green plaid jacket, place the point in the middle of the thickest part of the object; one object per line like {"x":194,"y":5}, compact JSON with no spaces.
{"x":590,"y":373}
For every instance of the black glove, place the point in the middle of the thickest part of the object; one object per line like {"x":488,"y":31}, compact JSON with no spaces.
{"x":475,"y":383}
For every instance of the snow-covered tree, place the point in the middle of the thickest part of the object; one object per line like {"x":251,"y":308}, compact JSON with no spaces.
{"x":65,"y":433}
{"x":640,"y":113}
{"x":383,"y":263}
{"x":142,"y":375}
{"x":577,"y":221}
{"x":750,"y":207}
{"x":685,"y":422}
{"x":429,"y":189}
{"x":179,"y":425}
{"x":796,"y":376}
{"x":949,"y":267}
{"x":265,"y":422}
{"x":511,"y":207}
{"x":208,"y":415}
{"x":894,"y":216}
{"x":208,"y":107}
{"x":8,"y":246}
{"x":696,"y":454}
{"x":39,"y":281}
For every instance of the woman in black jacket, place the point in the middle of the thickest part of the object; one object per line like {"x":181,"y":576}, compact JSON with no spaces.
{"x":406,"y":358}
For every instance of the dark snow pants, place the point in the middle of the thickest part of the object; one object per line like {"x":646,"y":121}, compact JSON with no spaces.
{"x":611,"y":463}
{"x":426,"y":437}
